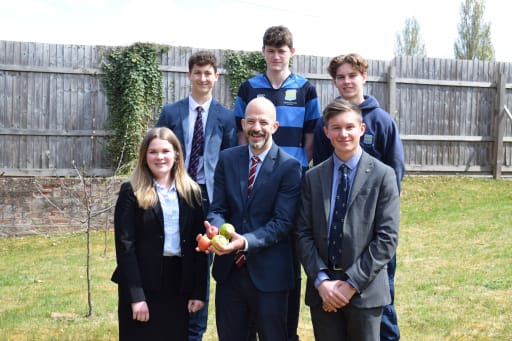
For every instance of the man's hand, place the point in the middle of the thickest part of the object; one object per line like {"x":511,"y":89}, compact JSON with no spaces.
{"x":195,"y":305}
{"x":211,"y":231}
{"x":332,"y":297}
{"x":237,"y":243}
{"x":140,"y":311}
{"x":345,"y":289}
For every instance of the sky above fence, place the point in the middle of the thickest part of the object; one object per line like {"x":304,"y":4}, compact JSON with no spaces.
{"x":321,"y":27}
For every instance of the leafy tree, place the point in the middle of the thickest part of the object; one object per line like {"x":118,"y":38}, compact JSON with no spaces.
{"x":409,"y":41}
{"x":474,"y":41}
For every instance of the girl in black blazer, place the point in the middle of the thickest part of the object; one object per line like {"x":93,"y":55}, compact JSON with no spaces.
{"x":158,"y":214}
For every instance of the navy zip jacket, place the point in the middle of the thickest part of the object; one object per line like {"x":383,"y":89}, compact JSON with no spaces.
{"x":381,"y":138}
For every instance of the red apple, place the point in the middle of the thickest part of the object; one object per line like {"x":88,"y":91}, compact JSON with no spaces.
{"x":204,"y":242}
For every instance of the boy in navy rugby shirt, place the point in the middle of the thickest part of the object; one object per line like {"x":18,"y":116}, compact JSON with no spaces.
{"x":298,"y":110}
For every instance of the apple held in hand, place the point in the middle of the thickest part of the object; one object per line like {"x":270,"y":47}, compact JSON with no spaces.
{"x":204,"y":243}
{"x":219,"y":240}
{"x":226,"y":229}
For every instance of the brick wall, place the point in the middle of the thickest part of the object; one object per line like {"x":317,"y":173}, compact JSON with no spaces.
{"x":32,"y":205}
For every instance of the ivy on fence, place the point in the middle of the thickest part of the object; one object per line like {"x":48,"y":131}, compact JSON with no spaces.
{"x":133,"y":85}
{"x":242,"y":66}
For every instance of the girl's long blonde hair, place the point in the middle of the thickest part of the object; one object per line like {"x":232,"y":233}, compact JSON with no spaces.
{"x":142,"y":179}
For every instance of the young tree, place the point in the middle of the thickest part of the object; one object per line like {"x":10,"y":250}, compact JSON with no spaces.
{"x":409,"y":41}
{"x":474,"y":41}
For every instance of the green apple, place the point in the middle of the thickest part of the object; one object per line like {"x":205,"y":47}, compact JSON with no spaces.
{"x":219,"y":240}
{"x":226,"y":229}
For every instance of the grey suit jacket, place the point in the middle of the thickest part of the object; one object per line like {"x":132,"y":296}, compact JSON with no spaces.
{"x":220,"y":132}
{"x":370,"y":231}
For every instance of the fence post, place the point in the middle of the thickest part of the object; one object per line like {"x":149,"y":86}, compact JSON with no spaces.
{"x":392,"y":91}
{"x":499,"y":124}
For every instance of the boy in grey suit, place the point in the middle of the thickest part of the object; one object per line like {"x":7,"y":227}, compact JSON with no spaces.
{"x":346,"y":292}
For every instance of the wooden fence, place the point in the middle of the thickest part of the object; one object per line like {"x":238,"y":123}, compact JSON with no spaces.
{"x":453,"y":116}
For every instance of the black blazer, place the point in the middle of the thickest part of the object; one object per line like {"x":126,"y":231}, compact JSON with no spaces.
{"x":139,"y":238}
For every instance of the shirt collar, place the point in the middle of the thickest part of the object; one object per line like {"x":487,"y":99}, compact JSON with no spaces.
{"x":193,"y":104}
{"x":261,"y":155}
{"x":162,"y":189}
{"x":351,"y":163}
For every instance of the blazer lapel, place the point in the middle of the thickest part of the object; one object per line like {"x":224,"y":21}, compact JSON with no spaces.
{"x":364,"y":169}
{"x":326,"y":187}
{"x":243,"y":170}
{"x":265,"y":171}
{"x":184,"y":214}
{"x":211,"y":122}
{"x":159,"y":214}
{"x":185,"y":121}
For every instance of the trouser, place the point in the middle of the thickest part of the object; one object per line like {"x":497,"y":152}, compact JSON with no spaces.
{"x":240,"y":305}
{"x":346,"y":324}
{"x":198,"y":321}
{"x":389,"y":330}
{"x":294,"y":300}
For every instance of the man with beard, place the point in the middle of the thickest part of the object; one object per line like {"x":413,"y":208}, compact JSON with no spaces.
{"x":297,"y":110}
{"x":256,"y":188}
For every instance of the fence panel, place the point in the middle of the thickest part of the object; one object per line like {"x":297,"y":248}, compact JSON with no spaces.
{"x":53,"y":108}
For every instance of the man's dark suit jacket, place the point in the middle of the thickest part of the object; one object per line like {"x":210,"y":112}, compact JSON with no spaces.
{"x":220,"y":132}
{"x":265,"y":218}
{"x":139,"y":237}
{"x":370,"y":230}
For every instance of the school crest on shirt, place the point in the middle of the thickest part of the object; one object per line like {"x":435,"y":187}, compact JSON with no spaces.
{"x":367,"y":140}
{"x":290,"y":95}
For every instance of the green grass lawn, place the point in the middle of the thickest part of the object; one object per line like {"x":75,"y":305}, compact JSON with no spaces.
{"x":454,"y":277}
